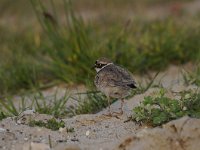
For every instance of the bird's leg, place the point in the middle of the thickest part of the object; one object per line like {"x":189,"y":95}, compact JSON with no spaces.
{"x":109,"y":109}
{"x":121,"y":108}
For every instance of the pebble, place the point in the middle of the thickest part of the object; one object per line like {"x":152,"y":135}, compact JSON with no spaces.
{"x":62,"y":129}
{"x":28,"y":112}
{"x":87,"y":133}
{"x":2,"y":130}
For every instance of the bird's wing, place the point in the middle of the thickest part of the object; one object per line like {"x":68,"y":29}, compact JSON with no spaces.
{"x":113,"y":75}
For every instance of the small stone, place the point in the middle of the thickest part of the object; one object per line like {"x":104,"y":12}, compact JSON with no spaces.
{"x":74,"y":140}
{"x":177,"y":143}
{"x":184,"y":108}
{"x":19,"y":122}
{"x":2,"y":130}
{"x":87,"y":133}
{"x":107,"y":126}
{"x":28,"y":112}
{"x":178,"y":88}
{"x":39,"y":129}
{"x":62,"y":129}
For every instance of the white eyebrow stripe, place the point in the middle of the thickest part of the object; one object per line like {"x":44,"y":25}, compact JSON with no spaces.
{"x":105,"y":66}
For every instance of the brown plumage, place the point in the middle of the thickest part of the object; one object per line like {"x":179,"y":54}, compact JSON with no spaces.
{"x":113,"y":80}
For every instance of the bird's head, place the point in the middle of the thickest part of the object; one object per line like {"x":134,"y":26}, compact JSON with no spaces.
{"x":101,"y":63}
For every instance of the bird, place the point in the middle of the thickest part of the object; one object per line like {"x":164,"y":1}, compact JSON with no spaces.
{"x":113,"y":81}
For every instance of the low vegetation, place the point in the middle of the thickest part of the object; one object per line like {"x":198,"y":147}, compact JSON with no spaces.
{"x":60,"y":52}
{"x":93,"y":103}
{"x":52,"y":124}
{"x":2,"y":115}
{"x":155,"y":111}
{"x":51,"y":105}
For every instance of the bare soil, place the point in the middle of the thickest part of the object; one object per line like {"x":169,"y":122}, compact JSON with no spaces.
{"x":91,"y":131}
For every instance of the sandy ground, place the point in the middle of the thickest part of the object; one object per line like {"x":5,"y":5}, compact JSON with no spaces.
{"x":91,"y":131}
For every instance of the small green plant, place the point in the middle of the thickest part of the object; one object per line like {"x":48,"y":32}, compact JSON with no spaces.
{"x":158,"y":110}
{"x":10,"y":109}
{"x":51,"y":105}
{"x":56,"y":107}
{"x":196,"y":76}
{"x":192,"y":77}
{"x":2,"y":115}
{"x":52,"y":124}
{"x":92,"y":103}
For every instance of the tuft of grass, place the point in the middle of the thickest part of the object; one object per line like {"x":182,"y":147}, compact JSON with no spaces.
{"x":89,"y":102}
{"x":52,"y":124}
{"x":67,"y":44}
{"x":51,"y":105}
{"x":2,"y":115}
{"x":55,"y":106}
{"x":92,"y":103}
{"x":9,"y":109}
{"x":156,"y":111}
{"x":197,"y":77}
{"x":152,"y":44}
{"x":192,"y":77}
{"x":65,"y":51}
{"x":20,"y":63}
